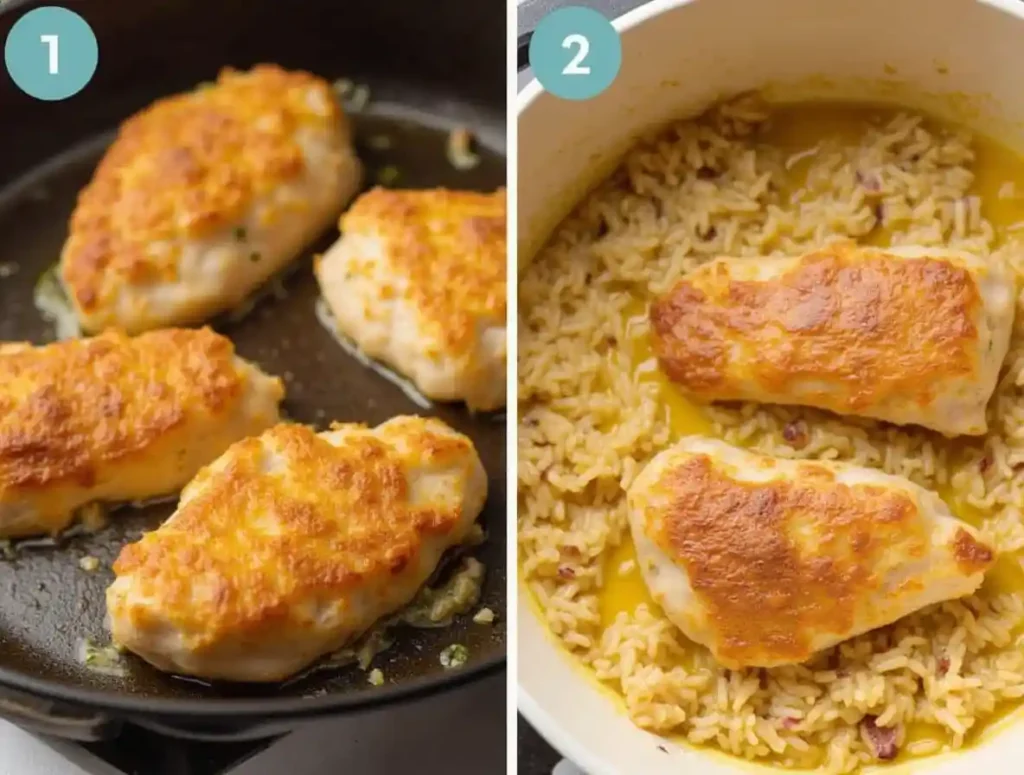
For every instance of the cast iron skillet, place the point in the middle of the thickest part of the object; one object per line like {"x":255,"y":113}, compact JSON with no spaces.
{"x":430,"y":67}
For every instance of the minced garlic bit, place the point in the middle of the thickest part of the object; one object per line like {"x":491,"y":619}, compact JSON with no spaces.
{"x":376,"y":677}
{"x":484,"y":616}
{"x":52,"y":302}
{"x":626,"y":567}
{"x":88,"y":563}
{"x":101,"y":659}
{"x":454,"y":655}
{"x":353,"y":96}
{"x":460,"y":149}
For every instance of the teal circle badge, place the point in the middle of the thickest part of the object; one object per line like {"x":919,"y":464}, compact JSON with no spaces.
{"x":575,"y":53}
{"x":51,"y":53}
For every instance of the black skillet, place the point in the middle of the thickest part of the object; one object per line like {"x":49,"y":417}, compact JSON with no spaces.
{"x":430,"y":67}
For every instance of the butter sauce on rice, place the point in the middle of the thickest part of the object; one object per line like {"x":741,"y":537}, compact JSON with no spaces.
{"x":747,"y":179}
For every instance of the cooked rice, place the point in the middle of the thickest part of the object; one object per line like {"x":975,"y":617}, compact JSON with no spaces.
{"x":591,"y":415}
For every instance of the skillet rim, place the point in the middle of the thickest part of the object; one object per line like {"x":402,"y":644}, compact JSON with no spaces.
{"x":250,"y":708}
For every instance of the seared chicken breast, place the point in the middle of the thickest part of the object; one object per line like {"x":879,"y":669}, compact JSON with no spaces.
{"x":203,"y":196}
{"x":911,"y":335}
{"x":115,"y":418}
{"x":417,"y":281}
{"x":766,"y":561}
{"x":294,"y":543}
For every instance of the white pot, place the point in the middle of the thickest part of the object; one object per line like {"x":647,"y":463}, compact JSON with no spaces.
{"x":959,"y":59}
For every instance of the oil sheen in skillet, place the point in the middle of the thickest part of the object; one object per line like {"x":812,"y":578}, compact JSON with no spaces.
{"x":49,"y":602}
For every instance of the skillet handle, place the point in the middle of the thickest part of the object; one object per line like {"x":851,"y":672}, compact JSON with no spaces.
{"x":523,"y":53}
{"x":49,"y":718}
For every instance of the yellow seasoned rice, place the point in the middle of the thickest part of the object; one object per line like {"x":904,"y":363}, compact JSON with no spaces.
{"x":591,"y":417}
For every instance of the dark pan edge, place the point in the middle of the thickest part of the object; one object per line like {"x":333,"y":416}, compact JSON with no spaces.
{"x":252,"y":709}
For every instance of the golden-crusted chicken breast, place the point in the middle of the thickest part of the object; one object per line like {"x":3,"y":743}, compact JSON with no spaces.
{"x":417,"y":281}
{"x":766,"y":561}
{"x":205,"y":195}
{"x":911,"y":335}
{"x":114,"y":418}
{"x":294,"y":543}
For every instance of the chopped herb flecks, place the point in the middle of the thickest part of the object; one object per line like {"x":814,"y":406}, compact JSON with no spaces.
{"x":454,"y":655}
{"x":388,"y":175}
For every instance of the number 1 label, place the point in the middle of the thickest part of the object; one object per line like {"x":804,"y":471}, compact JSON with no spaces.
{"x":52,"y":43}
{"x":51,"y":53}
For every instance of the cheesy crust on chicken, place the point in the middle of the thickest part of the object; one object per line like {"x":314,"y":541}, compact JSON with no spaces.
{"x":417,"y":281}
{"x":766,"y":561}
{"x":910,"y":335}
{"x":294,"y":543}
{"x":203,"y":196}
{"x":115,"y":418}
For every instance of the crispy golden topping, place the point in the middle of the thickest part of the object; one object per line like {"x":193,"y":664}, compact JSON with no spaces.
{"x":449,"y":246}
{"x":875,"y":326}
{"x":289,"y":517}
{"x":777,"y":562}
{"x":971,"y":555}
{"x":69,"y":407}
{"x":186,"y":166}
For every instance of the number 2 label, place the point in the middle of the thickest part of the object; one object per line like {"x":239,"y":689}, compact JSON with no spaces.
{"x":582,"y":45}
{"x":52,"y":43}
{"x":575,"y":52}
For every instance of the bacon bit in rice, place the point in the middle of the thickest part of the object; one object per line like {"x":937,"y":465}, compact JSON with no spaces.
{"x":796,"y":434}
{"x":708,"y":234}
{"x":706,"y":173}
{"x":565,"y":572}
{"x":984,"y":464}
{"x":606,"y":344}
{"x":879,"y":214}
{"x":882,"y":740}
{"x":869,"y":182}
{"x":943,"y":666}
{"x":790,"y":722}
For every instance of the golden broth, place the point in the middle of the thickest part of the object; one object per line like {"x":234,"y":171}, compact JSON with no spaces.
{"x":800,"y":131}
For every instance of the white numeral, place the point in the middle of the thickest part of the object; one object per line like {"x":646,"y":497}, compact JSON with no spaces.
{"x":574,"y":66}
{"x":51,"y":42}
